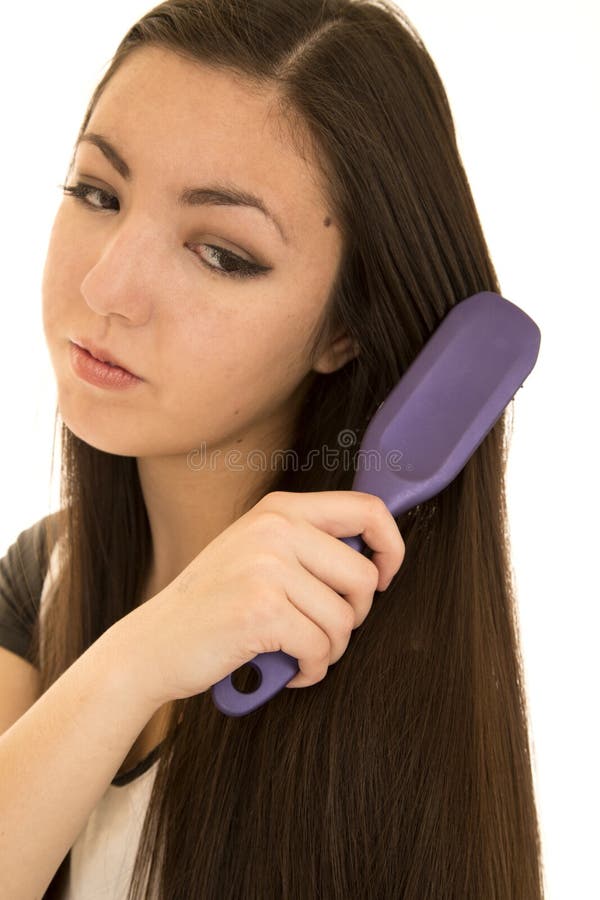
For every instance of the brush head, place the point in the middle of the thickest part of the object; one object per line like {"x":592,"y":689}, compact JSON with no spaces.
{"x":446,"y":402}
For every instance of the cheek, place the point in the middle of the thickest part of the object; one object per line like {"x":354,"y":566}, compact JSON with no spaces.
{"x":236,"y":358}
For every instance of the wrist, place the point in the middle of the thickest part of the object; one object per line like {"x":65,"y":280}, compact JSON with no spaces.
{"x":125,"y":657}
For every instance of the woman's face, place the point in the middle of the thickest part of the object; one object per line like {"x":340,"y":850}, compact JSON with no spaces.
{"x":221,"y":356}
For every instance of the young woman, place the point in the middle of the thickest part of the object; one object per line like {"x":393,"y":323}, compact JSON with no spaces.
{"x":265,"y":218}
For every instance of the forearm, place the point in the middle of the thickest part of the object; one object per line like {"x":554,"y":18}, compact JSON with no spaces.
{"x":58,"y":759}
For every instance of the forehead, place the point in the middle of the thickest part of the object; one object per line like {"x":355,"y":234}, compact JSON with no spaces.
{"x":178,"y":120}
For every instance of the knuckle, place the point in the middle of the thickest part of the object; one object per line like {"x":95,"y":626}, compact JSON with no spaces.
{"x":341,"y":648}
{"x":377,"y":506}
{"x":401,"y":551}
{"x":347,"y":619}
{"x":321,"y":653}
{"x":261,"y":602}
{"x":271,"y":500}
{"x":262,"y":607}
{"x":261,"y":568}
{"x":272,"y":523}
{"x":402,"y":547}
{"x":370,"y":575}
{"x":317,"y":665}
{"x":322,"y":672}
{"x":324,"y":648}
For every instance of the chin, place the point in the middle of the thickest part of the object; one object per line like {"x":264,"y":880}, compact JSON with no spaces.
{"x":104,"y":432}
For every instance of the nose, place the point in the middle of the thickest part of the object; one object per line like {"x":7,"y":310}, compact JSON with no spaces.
{"x":126,"y":278}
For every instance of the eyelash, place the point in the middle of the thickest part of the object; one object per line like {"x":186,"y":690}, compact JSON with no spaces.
{"x":80,"y":192}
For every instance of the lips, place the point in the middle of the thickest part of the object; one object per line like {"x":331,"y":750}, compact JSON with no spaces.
{"x":100,"y":353}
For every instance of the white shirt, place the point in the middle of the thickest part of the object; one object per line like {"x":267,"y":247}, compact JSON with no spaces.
{"x":103,"y":855}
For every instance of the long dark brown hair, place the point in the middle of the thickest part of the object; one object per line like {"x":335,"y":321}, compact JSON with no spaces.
{"x":405,"y":772}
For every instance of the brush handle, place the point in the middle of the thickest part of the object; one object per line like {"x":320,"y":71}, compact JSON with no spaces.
{"x":274,"y":669}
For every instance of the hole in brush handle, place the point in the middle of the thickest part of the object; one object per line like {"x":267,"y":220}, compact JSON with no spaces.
{"x":274,"y":670}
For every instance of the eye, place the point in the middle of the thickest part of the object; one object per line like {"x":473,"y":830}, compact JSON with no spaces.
{"x":81,"y":191}
{"x":241,"y":267}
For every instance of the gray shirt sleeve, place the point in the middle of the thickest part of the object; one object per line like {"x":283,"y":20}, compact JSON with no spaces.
{"x":22,"y":572}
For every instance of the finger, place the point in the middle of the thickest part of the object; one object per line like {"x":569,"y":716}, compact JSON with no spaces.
{"x":323,"y":606}
{"x":383,"y":536}
{"x":301,"y":637}
{"x":347,"y":513}
{"x":335,"y":564}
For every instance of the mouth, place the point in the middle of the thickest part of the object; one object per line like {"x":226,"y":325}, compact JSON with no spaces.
{"x":103,"y":356}
{"x":107,"y":375}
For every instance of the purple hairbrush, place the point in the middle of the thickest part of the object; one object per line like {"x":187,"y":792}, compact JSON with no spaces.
{"x":433,"y":420}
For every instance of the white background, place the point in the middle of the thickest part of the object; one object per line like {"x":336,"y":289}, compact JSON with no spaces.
{"x":522,"y":80}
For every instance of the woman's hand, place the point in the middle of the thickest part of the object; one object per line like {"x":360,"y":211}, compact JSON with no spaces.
{"x":278,"y":578}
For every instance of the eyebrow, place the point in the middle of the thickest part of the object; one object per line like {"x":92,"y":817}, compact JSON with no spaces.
{"x":216,"y":194}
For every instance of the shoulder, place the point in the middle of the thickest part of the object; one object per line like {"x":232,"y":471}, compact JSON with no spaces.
{"x":23,"y":570}
{"x":25,"y":564}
